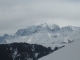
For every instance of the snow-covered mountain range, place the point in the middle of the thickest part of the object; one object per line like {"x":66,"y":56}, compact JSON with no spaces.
{"x":44,"y":34}
{"x":48,"y":35}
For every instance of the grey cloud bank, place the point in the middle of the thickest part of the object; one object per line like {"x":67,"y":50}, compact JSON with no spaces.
{"x":17,"y":14}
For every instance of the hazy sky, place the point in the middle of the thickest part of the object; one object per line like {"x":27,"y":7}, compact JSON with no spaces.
{"x":18,"y":14}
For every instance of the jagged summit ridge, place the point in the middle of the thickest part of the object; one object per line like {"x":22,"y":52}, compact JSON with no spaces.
{"x":43,"y":34}
{"x":36,"y":29}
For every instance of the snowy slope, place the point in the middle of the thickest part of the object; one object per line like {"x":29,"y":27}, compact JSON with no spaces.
{"x":40,"y":34}
{"x":70,"y":52}
{"x":43,"y":28}
{"x":44,"y":34}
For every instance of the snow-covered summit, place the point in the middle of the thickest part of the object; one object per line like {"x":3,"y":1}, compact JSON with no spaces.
{"x":36,"y":29}
{"x":51,"y":26}
{"x":44,"y":34}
